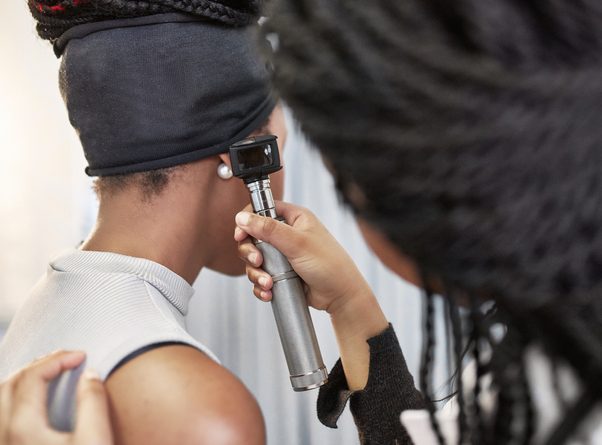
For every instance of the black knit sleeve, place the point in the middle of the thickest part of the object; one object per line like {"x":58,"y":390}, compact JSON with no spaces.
{"x":376,"y":409}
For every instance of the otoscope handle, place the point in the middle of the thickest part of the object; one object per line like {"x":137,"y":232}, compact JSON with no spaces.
{"x":297,"y":334}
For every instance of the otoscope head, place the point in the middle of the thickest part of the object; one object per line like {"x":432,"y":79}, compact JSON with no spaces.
{"x":254,"y":158}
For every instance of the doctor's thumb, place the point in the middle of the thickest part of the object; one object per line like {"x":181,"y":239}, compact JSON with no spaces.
{"x":279,"y":234}
{"x":93,"y":424}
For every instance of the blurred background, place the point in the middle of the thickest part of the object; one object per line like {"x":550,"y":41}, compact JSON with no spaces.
{"x":47,"y":205}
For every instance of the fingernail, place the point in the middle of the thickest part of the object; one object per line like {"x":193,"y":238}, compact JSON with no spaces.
{"x":77,"y":354}
{"x":253,"y":258}
{"x":265,"y":295}
{"x":242,"y":218}
{"x":91,"y":374}
{"x":263,"y":281}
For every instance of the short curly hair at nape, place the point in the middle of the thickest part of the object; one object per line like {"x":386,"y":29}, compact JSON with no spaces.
{"x":54,"y":17}
{"x":150,"y":184}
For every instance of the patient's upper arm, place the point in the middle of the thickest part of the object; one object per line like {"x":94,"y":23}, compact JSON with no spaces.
{"x":176,"y":394}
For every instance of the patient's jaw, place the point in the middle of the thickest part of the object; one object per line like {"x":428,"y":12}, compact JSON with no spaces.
{"x":231,"y":196}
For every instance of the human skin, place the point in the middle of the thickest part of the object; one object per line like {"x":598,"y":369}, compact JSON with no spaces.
{"x":170,"y":374}
{"x":320,"y":261}
{"x":23,"y":415}
{"x":177,"y":394}
{"x":188,"y":226}
{"x":173,"y":394}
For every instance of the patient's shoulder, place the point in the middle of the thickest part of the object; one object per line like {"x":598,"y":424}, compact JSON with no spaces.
{"x":177,"y":394}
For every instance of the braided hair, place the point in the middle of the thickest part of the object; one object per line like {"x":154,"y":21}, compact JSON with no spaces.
{"x":54,"y":17}
{"x":473,"y":129}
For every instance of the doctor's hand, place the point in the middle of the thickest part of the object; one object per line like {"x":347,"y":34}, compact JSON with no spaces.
{"x":23,"y":410}
{"x":331,"y":277}
{"x":333,"y":282}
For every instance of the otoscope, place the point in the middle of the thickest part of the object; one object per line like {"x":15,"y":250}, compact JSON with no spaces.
{"x":253,"y":159}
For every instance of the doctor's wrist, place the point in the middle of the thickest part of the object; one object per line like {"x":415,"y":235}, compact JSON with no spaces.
{"x":355,"y":320}
{"x":358,"y":314}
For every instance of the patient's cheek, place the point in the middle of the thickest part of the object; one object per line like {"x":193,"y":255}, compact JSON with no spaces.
{"x":277,"y":184}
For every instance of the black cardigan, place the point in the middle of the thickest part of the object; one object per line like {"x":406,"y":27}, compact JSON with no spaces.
{"x":376,"y":409}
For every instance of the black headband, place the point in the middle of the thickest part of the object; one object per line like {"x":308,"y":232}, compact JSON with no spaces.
{"x":158,"y":91}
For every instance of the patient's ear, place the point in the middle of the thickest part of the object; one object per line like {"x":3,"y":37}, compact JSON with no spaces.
{"x":225,"y":158}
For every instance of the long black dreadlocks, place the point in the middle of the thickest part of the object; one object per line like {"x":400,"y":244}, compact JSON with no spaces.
{"x":474,"y":130}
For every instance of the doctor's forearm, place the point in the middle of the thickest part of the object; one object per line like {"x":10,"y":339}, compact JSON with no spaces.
{"x":355,"y":321}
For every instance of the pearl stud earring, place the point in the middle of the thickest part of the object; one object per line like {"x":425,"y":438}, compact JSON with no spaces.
{"x":223,"y":171}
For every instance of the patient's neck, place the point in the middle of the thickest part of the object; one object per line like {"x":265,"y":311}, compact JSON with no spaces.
{"x":167,"y":229}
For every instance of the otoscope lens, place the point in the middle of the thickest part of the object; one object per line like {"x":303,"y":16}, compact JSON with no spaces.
{"x":255,"y":157}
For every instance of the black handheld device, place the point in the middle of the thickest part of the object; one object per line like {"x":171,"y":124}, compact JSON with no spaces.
{"x":255,"y":158}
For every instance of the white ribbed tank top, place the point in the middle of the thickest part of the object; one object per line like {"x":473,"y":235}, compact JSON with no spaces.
{"x":105,"y":304}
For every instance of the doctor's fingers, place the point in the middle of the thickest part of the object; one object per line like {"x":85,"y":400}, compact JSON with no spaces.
{"x":23,"y":417}
{"x":31,"y":383}
{"x":93,"y":421}
{"x":263,"y":295}
{"x":262,"y":282}
{"x":240,"y":234}
{"x":6,"y":392}
{"x":249,"y":253}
